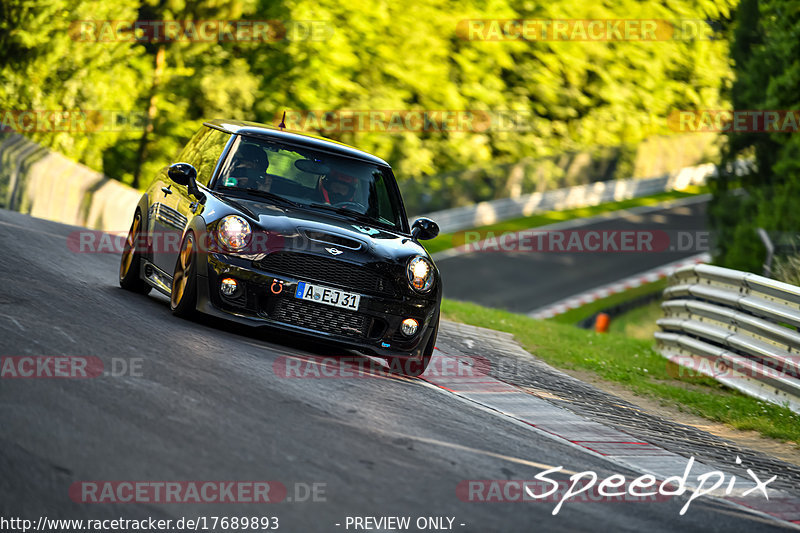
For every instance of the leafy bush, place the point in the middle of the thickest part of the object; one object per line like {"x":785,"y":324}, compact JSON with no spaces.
{"x":787,"y":269}
{"x":765,"y":51}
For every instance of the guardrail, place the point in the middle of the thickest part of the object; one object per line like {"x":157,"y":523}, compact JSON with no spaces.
{"x":736,"y":327}
{"x":484,"y":213}
{"x":45,"y":184}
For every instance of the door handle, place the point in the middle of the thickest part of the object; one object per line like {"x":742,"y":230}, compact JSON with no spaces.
{"x":166,"y":190}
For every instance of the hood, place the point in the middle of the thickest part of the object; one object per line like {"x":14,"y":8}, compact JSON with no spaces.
{"x":316,"y":231}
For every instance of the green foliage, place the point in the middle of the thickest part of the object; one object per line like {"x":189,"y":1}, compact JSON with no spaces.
{"x":638,"y":323}
{"x":766,"y":52}
{"x":42,"y":67}
{"x":574,"y":316}
{"x":788,"y":269}
{"x":596,"y":97}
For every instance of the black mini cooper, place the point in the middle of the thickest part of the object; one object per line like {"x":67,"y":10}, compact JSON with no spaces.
{"x":275,"y":228}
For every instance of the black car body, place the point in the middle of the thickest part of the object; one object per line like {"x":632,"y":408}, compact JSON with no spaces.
{"x":326,"y":223}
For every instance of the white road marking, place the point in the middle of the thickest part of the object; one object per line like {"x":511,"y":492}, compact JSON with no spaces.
{"x":455,"y":446}
{"x":15,"y":321}
{"x":65,"y":334}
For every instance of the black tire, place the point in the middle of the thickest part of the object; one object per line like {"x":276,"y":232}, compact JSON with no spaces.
{"x":416,"y":364}
{"x":130,"y":262}
{"x":183,"y":294}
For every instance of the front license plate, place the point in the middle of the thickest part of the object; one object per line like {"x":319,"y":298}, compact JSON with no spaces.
{"x":327,"y":295}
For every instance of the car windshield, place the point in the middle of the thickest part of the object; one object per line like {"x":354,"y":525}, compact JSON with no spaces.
{"x":312,"y":179}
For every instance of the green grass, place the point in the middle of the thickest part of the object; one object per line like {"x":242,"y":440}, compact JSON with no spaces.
{"x":446,"y":241}
{"x":633,"y":364}
{"x":573,"y":316}
{"x":639,"y":323}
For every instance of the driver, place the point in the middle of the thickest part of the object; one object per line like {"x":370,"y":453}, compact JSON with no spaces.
{"x":338,"y":187}
{"x":249,"y":167}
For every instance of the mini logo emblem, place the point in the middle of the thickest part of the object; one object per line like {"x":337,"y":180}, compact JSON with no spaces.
{"x":333,"y":251}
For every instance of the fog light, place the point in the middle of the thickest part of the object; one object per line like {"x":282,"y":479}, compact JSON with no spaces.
{"x":228,"y":287}
{"x":409,"y":326}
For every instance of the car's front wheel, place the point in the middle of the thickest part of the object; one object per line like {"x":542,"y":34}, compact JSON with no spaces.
{"x":416,"y":364}
{"x":130,"y":261}
{"x":183,"y":296}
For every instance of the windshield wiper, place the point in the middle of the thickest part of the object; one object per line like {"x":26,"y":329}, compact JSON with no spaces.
{"x":348,"y":212}
{"x":355,"y":214}
{"x":262,"y":194}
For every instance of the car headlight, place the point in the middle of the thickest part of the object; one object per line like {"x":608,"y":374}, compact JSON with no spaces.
{"x":233,"y":232}
{"x":420,"y":274}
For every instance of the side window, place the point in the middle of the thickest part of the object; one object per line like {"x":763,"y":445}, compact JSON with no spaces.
{"x":203,"y":151}
{"x":208,"y":154}
{"x":380,"y":199}
{"x":188,"y":152}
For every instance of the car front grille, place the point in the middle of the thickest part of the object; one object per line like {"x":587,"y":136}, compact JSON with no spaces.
{"x":309,"y":267}
{"x":320,"y":317}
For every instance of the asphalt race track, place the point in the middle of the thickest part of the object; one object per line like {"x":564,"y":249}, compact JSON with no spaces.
{"x":205,"y":403}
{"x":524,"y":281}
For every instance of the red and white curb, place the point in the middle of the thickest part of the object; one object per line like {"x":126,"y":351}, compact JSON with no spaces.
{"x":456,"y":341}
{"x":649,"y":276}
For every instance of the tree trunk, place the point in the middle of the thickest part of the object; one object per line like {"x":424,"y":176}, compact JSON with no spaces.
{"x":152,"y":109}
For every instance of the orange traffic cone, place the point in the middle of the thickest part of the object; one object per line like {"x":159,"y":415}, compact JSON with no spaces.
{"x":601,"y":323}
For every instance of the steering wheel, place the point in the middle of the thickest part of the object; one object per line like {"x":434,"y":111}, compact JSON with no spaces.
{"x":353,"y":206}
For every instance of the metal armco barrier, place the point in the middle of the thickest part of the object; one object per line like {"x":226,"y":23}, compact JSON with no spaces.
{"x":483,"y":213}
{"x":738,"y":328}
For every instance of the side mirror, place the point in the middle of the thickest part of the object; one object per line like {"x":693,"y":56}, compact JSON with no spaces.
{"x":185,"y":174}
{"x":182,"y":173}
{"x":424,"y":229}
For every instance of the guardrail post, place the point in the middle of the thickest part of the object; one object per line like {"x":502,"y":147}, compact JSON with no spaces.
{"x":767,"y":267}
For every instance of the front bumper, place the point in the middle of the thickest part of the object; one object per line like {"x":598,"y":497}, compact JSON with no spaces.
{"x":267,"y":299}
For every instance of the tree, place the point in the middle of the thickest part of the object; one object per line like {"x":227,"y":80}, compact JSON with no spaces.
{"x":46,"y":66}
{"x":599,"y":97}
{"x":766,"y":53}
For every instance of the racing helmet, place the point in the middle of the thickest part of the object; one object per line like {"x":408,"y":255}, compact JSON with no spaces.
{"x":338,"y":187}
{"x":250,"y":163}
